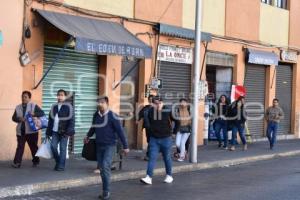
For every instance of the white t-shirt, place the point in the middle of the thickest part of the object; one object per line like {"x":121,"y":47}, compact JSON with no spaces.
{"x":56,"y":120}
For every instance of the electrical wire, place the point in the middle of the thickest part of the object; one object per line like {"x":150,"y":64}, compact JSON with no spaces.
{"x":165,"y":11}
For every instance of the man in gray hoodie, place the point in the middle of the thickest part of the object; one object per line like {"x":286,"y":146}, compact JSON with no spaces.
{"x":273,"y":116}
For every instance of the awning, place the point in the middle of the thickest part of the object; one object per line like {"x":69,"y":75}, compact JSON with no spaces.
{"x":261,"y":57}
{"x":180,"y":32}
{"x":98,"y":36}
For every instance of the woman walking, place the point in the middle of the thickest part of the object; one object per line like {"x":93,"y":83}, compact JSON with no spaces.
{"x":237,"y":121}
{"x":183,"y":128}
{"x":221,"y":123}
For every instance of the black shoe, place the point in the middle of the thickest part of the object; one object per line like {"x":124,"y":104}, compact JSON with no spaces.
{"x":34,"y":165}
{"x":220,"y":145}
{"x":59,"y":169}
{"x":16,"y":165}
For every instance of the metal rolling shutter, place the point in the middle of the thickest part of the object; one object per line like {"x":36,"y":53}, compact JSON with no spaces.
{"x":176,"y":79}
{"x":78,"y":73}
{"x":284,"y":79}
{"x":255,"y":85}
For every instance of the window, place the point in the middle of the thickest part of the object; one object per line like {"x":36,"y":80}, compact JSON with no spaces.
{"x":267,"y":1}
{"x":281,"y":4}
{"x":276,"y":3}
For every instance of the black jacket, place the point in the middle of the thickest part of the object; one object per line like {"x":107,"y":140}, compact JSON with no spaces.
{"x":66,"y":125}
{"x":161,"y":122}
{"x":220,"y":110}
{"x":236,"y":115}
{"x":143,"y":114}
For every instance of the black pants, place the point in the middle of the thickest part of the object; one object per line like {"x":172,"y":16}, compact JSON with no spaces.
{"x":32,"y":140}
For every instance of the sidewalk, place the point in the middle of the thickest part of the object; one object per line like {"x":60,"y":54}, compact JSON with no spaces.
{"x":28,"y":180}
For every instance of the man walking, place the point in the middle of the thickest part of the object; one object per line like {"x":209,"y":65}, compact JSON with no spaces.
{"x":24,"y":133}
{"x":60,"y":127}
{"x":273,"y":116}
{"x":107,"y":127}
{"x":160,"y":118}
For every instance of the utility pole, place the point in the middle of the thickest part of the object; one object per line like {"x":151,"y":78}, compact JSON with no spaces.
{"x":197,"y":61}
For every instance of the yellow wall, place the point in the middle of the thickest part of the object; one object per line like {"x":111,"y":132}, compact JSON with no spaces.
{"x":274,"y":25}
{"x":188,"y":14}
{"x":116,"y":7}
{"x":213,"y":15}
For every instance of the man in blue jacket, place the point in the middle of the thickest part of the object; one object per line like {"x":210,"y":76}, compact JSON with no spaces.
{"x":107,"y":127}
{"x":60,"y":127}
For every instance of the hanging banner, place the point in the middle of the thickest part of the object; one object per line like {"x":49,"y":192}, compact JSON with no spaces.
{"x":175,"y":54}
{"x":237,"y":91}
{"x":289,"y":56}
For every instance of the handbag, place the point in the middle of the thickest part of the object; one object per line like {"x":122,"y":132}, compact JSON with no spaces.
{"x":44,"y":150}
{"x":89,"y":150}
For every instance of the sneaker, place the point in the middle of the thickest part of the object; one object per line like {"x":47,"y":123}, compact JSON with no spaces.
{"x":97,"y":171}
{"x":168,"y":179}
{"x":232,"y":148}
{"x":225,"y":147}
{"x":147,"y":180}
{"x":220,"y":145}
{"x":180,"y":159}
{"x":105,"y":196}
{"x":245,"y":147}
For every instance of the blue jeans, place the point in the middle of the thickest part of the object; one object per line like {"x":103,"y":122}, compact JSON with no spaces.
{"x":241,"y":129}
{"x":272,"y":132}
{"x":164,"y":146}
{"x":60,"y":158}
{"x":222,"y":125}
{"x":104,"y":157}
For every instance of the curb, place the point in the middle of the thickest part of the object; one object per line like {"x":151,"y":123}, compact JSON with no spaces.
{"x":93,"y":180}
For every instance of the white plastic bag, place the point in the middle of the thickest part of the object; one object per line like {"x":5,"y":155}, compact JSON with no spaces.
{"x":44,"y":150}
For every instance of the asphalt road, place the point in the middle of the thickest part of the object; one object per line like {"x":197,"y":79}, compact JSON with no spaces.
{"x":277,"y":179}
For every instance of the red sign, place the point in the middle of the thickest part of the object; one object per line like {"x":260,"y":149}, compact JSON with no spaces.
{"x":237,"y":91}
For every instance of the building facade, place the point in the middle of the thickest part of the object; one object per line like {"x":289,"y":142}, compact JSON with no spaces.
{"x":250,"y":43}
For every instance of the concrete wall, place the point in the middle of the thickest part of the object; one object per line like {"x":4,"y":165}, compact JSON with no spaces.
{"x":242,"y":19}
{"x":116,"y":7}
{"x":274,"y":25}
{"x":188,"y":14}
{"x":11,"y":73}
{"x":213,"y":16}
{"x":294,"y":26}
{"x":167,"y":11}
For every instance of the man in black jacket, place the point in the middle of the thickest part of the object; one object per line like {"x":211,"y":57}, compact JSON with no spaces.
{"x":60,"y":127}
{"x":160,"y":120}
